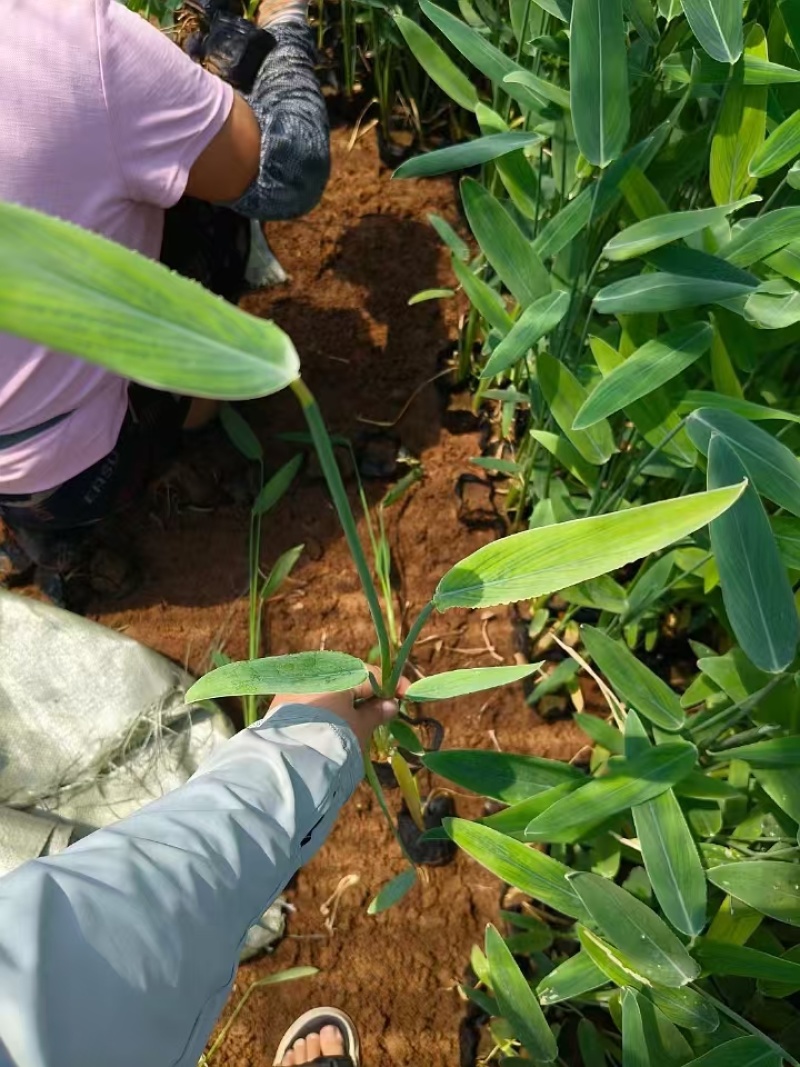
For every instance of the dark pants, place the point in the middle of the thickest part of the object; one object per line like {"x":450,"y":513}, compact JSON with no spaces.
{"x":53,"y":526}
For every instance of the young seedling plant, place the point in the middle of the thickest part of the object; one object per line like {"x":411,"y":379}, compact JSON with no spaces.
{"x":78,"y":293}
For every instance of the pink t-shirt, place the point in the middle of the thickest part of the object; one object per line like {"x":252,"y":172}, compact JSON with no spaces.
{"x":101,"y":119}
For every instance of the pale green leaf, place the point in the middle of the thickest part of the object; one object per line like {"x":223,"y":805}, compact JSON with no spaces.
{"x":565,"y":397}
{"x":544,"y":560}
{"x":741,"y":125}
{"x":517,"y":1000}
{"x":635,"y":929}
{"x":741,"y":1052}
{"x":466,"y":155}
{"x":633,"y":681}
{"x":437,"y":65}
{"x":281,"y":569}
{"x":770,"y":886}
{"x":538,"y":875}
{"x":503,"y":243}
{"x":651,"y":366}
{"x":536,"y":321}
{"x":649,"y":234}
{"x":76,"y":292}
{"x":780,"y":148}
{"x":572,"y":978}
{"x":663,"y":291}
{"x":567,"y":455}
{"x":272,"y":491}
{"x":300,"y":672}
{"x":467,"y":680}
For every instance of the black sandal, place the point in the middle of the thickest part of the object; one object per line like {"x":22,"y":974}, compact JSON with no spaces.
{"x":311,"y":1023}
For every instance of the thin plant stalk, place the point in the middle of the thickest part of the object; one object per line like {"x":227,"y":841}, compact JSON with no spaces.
{"x":333,"y":477}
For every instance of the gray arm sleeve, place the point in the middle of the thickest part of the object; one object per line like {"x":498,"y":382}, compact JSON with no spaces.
{"x":122,"y":950}
{"x":295,"y":153}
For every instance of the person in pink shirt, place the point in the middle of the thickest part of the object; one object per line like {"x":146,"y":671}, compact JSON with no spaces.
{"x":106,"y":123}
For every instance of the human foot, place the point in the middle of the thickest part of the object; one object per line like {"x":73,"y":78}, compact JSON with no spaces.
{"x":328,"y":1042}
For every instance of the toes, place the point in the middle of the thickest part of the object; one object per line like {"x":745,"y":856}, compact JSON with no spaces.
{"x":288,"y":1060}
{"x":331,"y":1041}
{"x":300,"y":1054}
{"x":313,"y":1047}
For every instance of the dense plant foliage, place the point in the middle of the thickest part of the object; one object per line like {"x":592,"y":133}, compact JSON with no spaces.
{"x":634,"y":306}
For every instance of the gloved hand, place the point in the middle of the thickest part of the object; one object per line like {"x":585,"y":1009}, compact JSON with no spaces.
{"x":214,"y":34}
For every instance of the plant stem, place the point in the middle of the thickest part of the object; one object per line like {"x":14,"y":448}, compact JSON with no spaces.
{"x":333,"y":477}
{"x":372,"y":778}
{"x":745,"y":1025}
{"x":408,"y":644}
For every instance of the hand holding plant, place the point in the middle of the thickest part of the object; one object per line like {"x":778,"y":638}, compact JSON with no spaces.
{"x":359,"y":707}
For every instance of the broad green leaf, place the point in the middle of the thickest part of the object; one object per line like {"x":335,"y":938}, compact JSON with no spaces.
{"x":648,"y":1037}
{"x":572,"y":978}
{"x":281,"y":569}
{"x":636,"y":930}
{"x":542,"y":90}
{"x":701,"y":398}
{"x":643,"y":17}
{"x":240,"y":433}
{"x":664,"y":291}
{"x":782,"y":786}
{"x":686,"y":1008}
{"x":780,"y":148}
{"x":775,"y":305}
{"x":672,"y":862}
{"x":773,"y":469}
{"x":717,"y":25}
{"x":590,"y":1043}
{"x":601,"y":732}
{"x":718,"y":957}
{"x":634,"y":682}
{"x":684,"y":68}
{"x":482,"y":297}
{"x":741,"y":1052}
{"x":393,"y":892}
{"x":776,"y":752}
{"x":786,"y":530}
{"x":514,"y":819}
{"x":603,"y":593}
{"x":300,"y":672}
{"x":778,"y":989}
{"x":651,"y":366}
{"x":565,"y":396}
{"x":449,"y":236}
{"x":467,"y":680}
{"x":741,"y":125}
{"x":595,"y":201}
{"x":468,"y":154}
{"x":437,"y":65}
{"x":756,"y":591}
{"x":79,"y":293}
{"x":567,"y":455}
{"x":503,"y":243}
{"x":654,"y":417}
{"x":763,"y":236}
{"x":616,"y":967}
{"x":628,"y":782}
{"x":560,"y":9}
{"x":598,"y":65}
{"x":490,"y":61}
{"x":273,"y":490}
{"x":536,"y":321}
{"x":517,"y":1000}
{"x":541,"y":561}
{"x":770,"y":886}
{"x":535,"y":873}
{"x":503,"y":776}
{"x":652,"y":233}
